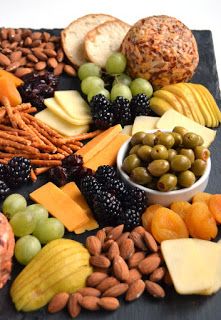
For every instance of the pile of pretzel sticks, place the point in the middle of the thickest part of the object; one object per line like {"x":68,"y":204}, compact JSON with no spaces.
{"x":22,"y":135}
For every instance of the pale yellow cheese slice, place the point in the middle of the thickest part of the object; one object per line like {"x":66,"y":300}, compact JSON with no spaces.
{"x":144,"y":123}
{"x":60,"y":125}
{"x":127,"y":130}
{"x":172,"y":118}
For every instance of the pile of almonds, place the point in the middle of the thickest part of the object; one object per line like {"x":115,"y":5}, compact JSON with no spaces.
{"x":23,"y":51}
{"x":125,"y":263}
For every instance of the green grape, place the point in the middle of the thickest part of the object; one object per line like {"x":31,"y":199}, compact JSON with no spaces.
{"x":26,"y":248}
{"x":49,"y":230}
{"x":12,"y":204}
{"x":23,"y":223}
{"x":120,"y":90}
{"x":38,"y":211}
{"x":140,"y":85}
{"x":88,"y":69}
{"x":122,"y":78}
{"x":91,"y":83}
{"x":96,"y":91}
{"x":116,"y":63}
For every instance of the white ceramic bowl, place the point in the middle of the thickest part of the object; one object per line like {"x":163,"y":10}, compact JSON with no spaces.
{"x":164,"y":198}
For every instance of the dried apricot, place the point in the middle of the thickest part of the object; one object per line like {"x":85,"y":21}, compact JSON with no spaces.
{"x":180,"y":207}
{"x":147,"y":216}
{"x":201,"y":197}
{"x":215,"y":206}
{"x":167,"y":224}
{"x":200,"y":222}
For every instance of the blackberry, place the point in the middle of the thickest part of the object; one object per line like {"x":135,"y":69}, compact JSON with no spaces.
{"x":140,"y":105}
{"x":116,"y":187}
{"x":135,"y":199}
{"x":89,"y":188}
{"x":58,"y":175}
{"x":130,"y":218}
{"x":104,"y":118}
{"x":122,"y":111}
{"x":99,"y":102}
{"x":4,"y":190}
{"x":3,"y":171}
{"x":104,"y":172}
{"x":19,"y":170}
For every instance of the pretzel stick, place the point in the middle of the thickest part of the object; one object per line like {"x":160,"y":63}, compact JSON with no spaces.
{"x":62,"y":152}
{"x":67,"y":149}
{"x":41,"y":170}
{"x":46,"y":163}
{"x":12,"y":133}
{"x":84,"y":136}
{"x":77,"y":143}
{"x":8,"y":143}
{"x":4,"y":161}
{"x":42,"y":136}
{"x":29,"y":110}
{"x":41,"y":124}
{"x":9,"y":111}
{"x":33,"y":176}
{"x":74,"y":147}
{"x":15,"y":138}
{"x":18,"y":131}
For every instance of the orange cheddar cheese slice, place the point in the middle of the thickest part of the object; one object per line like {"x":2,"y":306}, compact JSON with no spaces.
{"x":60,"y":205}
{"x":108,"y":155}
{"x":93,"y":147}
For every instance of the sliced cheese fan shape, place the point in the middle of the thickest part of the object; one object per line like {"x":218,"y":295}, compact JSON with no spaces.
{"x":144,"y":123}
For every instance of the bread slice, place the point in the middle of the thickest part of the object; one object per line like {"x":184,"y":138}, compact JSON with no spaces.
{"x":73,"y":36}
{"x":103,"y":40}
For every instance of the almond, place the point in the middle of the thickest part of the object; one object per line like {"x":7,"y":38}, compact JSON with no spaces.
{"x":32,"y":58}
{"x":134,"y":275}
{"x":6,"y":51}
{"x":20,"y":72}
{"x":74,"y":307}
{"x":15,"y":56}
{"x":107,"y":283}
{"x":139,"y":230}
{"x":50,"y":53}
{"x":70,"y":70}
{"x":100,"y":261}
{"x":35,"y":43}
{"x":109,"y":303}
{"x":90,"y":303}
{"x":138,"y":240}
{"x":60,"y":55}
{"x":58,"y":302}
{"x":157,"y":274}
{"x":14,"y":45}
{"x":150,"y":241}
{"x":120,"y":269}
{"x":89,"y":291}
{"x":52,"y":63}
{"x":135,"y":290}
{"x":107,"y":229}
{"x":93,"y":245}
{"x":46,"y":36}
{"x":39,"y":54}
{"x":122,"y":238}
{"x":59,"y":69}
{"x":4,"y":60}
{"x":11,"y":34}
{"x":102,"y":270}
{"x":106,"y":245}
{"x":135,"y":259}
{"x":116,"y":290}
{"x":4,"y":33}
{"x":115,"y":232}
{"x":95,"y":279}
{"x":13,"y":66}
{"x":23,"y":61}
{"x":50,"y":45}
{"x":113,"y":251}
{"x":40,"y":65}
{"x":28,"y":42}
{"x":154,"y":289}
{"x":36,"y":35}
{"x":25,"y":50}
{"x":101,"y":235}
{"x":5,"y":44}
{"x":149,"y":264}
{"x":127,"y":249}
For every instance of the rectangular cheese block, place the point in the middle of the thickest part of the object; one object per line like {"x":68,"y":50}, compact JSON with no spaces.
{"x":89,"y":150}
{"x":172,"y":118}
{"x":127,"y":129}
{"x":60,"y":205}
{"x":108,"y":155}
{"x":60,"y":125}
{"x":144,"y":123}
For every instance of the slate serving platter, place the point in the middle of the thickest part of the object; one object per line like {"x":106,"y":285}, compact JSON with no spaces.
{"x":174,"y":306}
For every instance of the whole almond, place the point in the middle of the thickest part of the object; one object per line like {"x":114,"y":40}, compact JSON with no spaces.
{"x":116,"y":290}
{"x":25,"y":50}
{"x":52,"y":63}
{"x":149,"y":264}
{"x":102,"y":270}
{"x":46,"y":36}
{"x":39,"y":54}
{"x":13,"y":66}
{"x":134,"y":275}
{"x":107,"y":283}
{"x":60,"y":55}
{"x":74,"y":307}
{"x":90,"y":303}
{"x":150,"y":242}
{"x":120,"y":269}
{"x":5,"y":44}
{"x":58,"y":302}
{"x":109,"y":303}
{"x":50,"y":45}
{"x":59,"y":69}
{"x":138,"y":240}
{"x":20,"y":72}
{"x":154,"y":289}
{"x":70,"y":70}
{"x":106,"y":245}
{"x":28,"y":42}
{"x":139,"y":230}
{"x":15,"y":56}
{"x":36,"y":35}
{"x":4,"y":60}
{"x":13,"y":45}
{"x":113,"y":251}
{"x":95,"y":279}
{"x":6,"y":51}
{"x":135,"y":290}
{"x":101,"y":235}
{"x":115,"y":232}
{"x":23,"y":61}
{"x":135,"y":259}
{"x":122,"y":238}
{"x":4,"y":33}
{"x":89,"y":291}
{"x":54,"y":38}
{"x":26,"y":33}
{"x":35,"y":43}
{"x":127,"y":249}
{"x":93,"y":245}
{"x":32,"y":58}
{"x":100,"y":261}
{"x":17,"y":38}
{"x":50,"y":53}
{"x":157,"y":274}
{"x":40,"y":65}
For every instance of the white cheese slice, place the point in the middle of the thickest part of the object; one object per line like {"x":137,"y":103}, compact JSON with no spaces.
{"x":127,"y":130}
{"x":60,"y":125}
{"x":144,"y":123}
{"x":172,"y":118}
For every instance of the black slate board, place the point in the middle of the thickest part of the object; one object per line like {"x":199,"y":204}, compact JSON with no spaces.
{"x":173,"y":307}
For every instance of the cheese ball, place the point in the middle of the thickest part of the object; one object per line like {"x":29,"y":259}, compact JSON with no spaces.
{"x":162,"y":50}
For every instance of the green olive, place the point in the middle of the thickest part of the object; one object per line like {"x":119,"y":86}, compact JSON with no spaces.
{"x":190,"y":140}
{"x":188,"y":153}
{"x":140,"y":175}
{"x":180,"y":163}
{"x":186,"y":179}
{"x":199,"y":167}
{"x":158,"y":167}
{"x":130,"y":162}
{"x":171,"y":154}
{"x":149,"y":139}
{"x":200,"y":141}
{"x":134,"y":149}
{"x":159,"y":152}
{"x":144,"y":153}
{"x":180,"y":130}
{"x":167,"y":182}
{"x":137,"y":138}
{"x":153,"y":184}
{"x":202,"y":153}
{"x":178,"y":139}
{"x":166,"y":139}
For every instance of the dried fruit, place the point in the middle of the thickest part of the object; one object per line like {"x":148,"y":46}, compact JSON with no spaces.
{"x":148,"y":214}
{"x":180,"y":207}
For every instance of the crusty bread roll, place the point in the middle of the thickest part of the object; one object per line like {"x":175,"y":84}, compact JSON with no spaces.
{"x":73,"y":36}
{"x":103,"y":40}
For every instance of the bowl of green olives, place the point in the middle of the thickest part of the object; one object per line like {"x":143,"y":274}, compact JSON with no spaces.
{"x":168,"y":165}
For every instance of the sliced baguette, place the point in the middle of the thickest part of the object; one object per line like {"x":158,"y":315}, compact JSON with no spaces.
{"x":73,"y":36}
{"x":103,"y":40}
